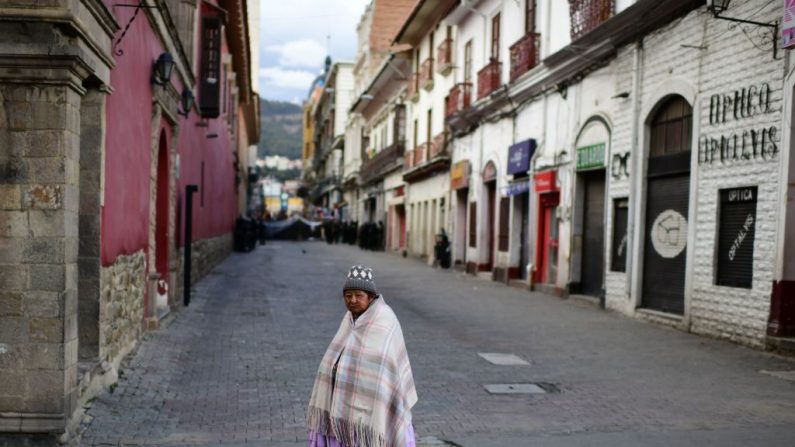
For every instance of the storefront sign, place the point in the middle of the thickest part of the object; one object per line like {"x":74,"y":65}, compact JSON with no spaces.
{"x":788,"y":25}
{"x":545,"y":182}
{"x":739,"y":144}
{"x":519,"y":156}
{"x":209,"y":76}
{"x":516,"y":188}
{"x":459,"y":175}
{"x":736,"y":226}
{"x":591,"y":157}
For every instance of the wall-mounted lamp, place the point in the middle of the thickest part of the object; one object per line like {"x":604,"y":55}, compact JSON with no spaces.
{"x":162,"y":69}
{"x":717,"y":7}
{"x":186,"y":101}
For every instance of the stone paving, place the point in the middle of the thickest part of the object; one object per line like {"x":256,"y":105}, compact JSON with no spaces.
{"x":236,"y":367}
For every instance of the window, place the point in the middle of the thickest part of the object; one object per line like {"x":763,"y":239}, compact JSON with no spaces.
{"x":618,"y":261}
{"x":671,"y":128}
{"x":473,"y":224}
{"x":468,"y":61}
{"x":416,"y":134}
{"x":495,"y":37}
{"x":428,"y":129}
{"x":530,"y":17}
{"x":201,"y":192}
{"x":505,"y":225}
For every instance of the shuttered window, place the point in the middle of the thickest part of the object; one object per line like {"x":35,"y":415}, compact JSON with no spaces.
{"x":505,"y":225}
{"x":736,"y":229}
{"x":495,"y":37}
{"x":473,"y":224}
{"x":618,"y":261}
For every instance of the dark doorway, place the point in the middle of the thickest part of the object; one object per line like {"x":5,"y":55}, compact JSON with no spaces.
{"x":593,"y":251}
{"x":524,"y":233}
{"x":162,"y":210}
{"x":491,"y":197}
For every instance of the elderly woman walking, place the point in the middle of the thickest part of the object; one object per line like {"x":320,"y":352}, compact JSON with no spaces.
{"x":364,"y":389}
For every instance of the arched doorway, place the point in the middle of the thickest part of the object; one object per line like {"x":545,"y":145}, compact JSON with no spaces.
{"x":161,"y":223}
{"x":588,"y":267}
{"x":667,"y":204}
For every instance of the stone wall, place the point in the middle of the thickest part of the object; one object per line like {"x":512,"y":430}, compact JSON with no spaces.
{"x":121,"y":306}
{"x":39,"y":178}
{"x":205,"y":255}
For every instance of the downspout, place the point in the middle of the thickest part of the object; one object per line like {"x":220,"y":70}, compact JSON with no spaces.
{"x":635,"y":175}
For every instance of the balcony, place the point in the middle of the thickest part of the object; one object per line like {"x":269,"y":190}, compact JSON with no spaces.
{"x":413,"y":91}
{"x":489,"y":78}
{"x":437,"y":146}
{"x":420,"y":154}
{"x":588,"y":14}
{"x":460,"y":98}
{"x":525,"y":55}
{"x":427,"y":159}
{"x":408,"y":159}
{"x":426,"y":74}
{"x":444,"y":57}
{"x":382,"y":162}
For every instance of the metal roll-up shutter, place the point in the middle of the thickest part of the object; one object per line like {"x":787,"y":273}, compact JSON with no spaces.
{"x":736,"y":228}
{"x":665,"y":246}
{"x":593,"y":234}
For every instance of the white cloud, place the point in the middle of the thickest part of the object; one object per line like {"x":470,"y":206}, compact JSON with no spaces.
{"x":290,"y":79}
{"x":299,"y":53}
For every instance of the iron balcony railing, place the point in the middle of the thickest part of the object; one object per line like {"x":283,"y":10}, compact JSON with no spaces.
{"x":489,"y":78}
{"x":588,"y":14}
{"x":426,"y":74}
{"x":460,"y":98}
{"x":444,"y":57}
{"x":413,"y":87}
{"x":525,"y":55}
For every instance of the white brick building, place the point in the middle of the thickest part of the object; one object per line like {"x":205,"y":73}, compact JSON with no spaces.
{"x":624,"y":125}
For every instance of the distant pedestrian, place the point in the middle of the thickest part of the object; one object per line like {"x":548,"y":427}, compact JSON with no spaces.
{"x":364,"y":388}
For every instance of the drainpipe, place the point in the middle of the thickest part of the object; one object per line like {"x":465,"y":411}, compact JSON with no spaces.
{"x":468,"y":5}
{"x":635,"y":177}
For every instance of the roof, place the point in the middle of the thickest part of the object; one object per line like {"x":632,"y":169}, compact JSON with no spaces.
{"x":423,"y":17}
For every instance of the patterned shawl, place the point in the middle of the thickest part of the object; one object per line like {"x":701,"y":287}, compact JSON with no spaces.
{"x":369,"y":403}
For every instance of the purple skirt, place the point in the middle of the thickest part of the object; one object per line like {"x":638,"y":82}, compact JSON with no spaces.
{"x":318,"y":440}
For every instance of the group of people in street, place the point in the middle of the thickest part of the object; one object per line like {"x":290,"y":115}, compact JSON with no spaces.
{"x":368,"y":236}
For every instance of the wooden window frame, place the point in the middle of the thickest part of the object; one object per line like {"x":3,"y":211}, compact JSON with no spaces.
{"x":495,"y":37}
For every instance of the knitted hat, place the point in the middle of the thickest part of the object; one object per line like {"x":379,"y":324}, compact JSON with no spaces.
{"x":360,"y":278}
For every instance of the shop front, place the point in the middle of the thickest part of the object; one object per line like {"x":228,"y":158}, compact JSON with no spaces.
{"x":514,"y":234}
{"x":459,"y":184}
{"x":588,"y":260}
{"x":548,"y":199}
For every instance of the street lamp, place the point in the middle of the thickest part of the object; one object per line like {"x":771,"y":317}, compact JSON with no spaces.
{"x":162,"y":69}
{"x":717,"y":7}
{"x":187,"y":102}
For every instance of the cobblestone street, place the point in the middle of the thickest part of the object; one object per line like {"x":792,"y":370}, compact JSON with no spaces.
{"x":237,"y":366}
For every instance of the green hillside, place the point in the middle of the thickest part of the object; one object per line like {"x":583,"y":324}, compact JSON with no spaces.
{"x":281,"y":129}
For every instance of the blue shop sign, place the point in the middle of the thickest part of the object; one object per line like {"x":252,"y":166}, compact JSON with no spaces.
{"x":516,"y":188}
{"x":519,"y":156}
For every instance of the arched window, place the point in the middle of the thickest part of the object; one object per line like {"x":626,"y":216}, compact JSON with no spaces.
{"x":671,"y":128}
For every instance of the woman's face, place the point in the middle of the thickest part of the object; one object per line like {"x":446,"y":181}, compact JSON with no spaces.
{"x":357,"y":301}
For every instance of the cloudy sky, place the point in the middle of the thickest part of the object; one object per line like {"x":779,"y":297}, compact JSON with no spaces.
{"x":293,"y":42}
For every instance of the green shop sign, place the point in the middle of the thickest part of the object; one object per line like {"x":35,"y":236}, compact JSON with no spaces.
{"x":589,"y":157}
